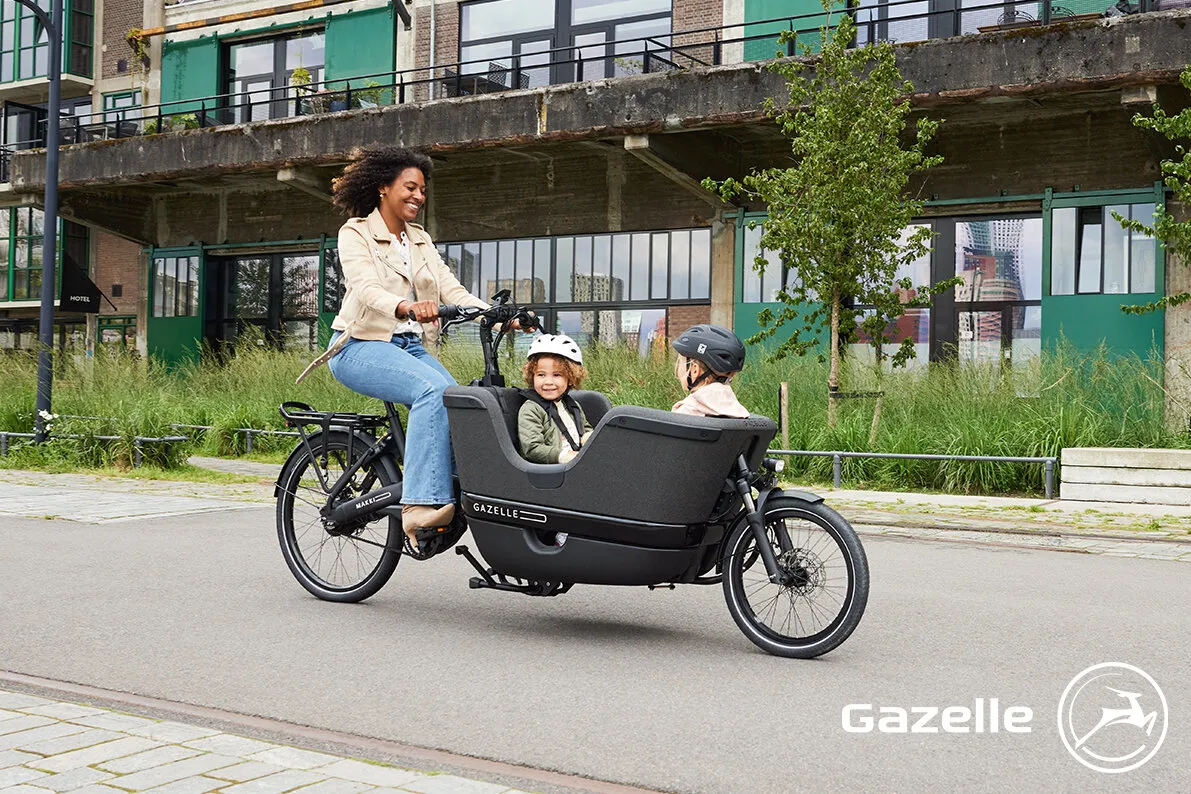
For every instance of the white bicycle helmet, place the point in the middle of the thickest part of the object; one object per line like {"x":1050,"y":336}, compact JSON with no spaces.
{"x":559,"y":345}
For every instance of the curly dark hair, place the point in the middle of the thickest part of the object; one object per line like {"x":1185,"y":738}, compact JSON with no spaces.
{"x":576,"y":373}
{"x":357,"y":192}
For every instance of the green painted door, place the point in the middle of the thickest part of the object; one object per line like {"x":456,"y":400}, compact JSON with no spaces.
{"x":175,"y":323}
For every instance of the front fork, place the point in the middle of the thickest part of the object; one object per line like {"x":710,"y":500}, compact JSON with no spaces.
{"x":756,"y":522}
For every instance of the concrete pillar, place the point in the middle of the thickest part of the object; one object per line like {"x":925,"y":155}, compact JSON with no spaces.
{"x":144,"y":271}
{"x":723,"y":271}
{"x":154,"y":16}
{"x":733,"y":15}
{"x":1178,"y":334}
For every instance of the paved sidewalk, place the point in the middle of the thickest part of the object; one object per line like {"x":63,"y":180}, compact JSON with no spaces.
{"x":1145,"y":531}
{"x":54,"y":747}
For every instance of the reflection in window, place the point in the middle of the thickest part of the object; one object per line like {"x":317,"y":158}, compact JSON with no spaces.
{"x":1090,"y":252}
{"x":879,"y":21}
{"x":641,"y":329}
{"x":762,"y":287}
{"x":332,"y":281}
{"x":998,"y":259}
{"x":601,"y":268}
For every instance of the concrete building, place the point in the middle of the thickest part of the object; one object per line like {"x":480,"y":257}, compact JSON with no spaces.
{"x":569,"y":138}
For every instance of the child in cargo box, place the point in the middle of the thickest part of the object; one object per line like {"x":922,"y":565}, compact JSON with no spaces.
{"x":551,"y":426}
{"x":708,"y":357}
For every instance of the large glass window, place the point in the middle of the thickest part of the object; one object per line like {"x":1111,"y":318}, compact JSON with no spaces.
{"x":27,"y":230}
{"x":261,"y":74}
{"x":80,"y":32}
{"x":999,"y":300}
{"x":613,"y":288}
{"x":505,"y":43}
{"x":25,"y":49}
{"x":1090,"y":252}
{"x":762,"y":287}
{"x":22,"y":235}
{"x":603,"y":268}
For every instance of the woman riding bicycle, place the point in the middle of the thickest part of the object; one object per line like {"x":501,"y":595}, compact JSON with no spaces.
{"x":395,"y":280}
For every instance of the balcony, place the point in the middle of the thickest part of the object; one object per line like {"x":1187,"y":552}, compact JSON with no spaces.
{"x":1007,"y":98}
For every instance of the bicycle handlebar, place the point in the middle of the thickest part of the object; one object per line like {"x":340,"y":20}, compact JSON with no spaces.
{"x":452,"y":314}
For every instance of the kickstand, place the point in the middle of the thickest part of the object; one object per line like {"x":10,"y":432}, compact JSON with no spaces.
{"x":487,"y":580}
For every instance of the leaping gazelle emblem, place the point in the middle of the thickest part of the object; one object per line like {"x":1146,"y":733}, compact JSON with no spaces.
{"x":1134,"y":715}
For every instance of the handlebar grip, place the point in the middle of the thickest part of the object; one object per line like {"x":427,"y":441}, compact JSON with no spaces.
{"x":446,"y":311}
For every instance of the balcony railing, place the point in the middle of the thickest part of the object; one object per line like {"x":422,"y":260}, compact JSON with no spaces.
{"x":900,"y":21}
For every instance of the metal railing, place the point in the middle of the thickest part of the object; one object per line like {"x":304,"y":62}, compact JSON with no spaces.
{"x":138,"y":442}
{"x":900,"y":21}
{"x":837,"y":461}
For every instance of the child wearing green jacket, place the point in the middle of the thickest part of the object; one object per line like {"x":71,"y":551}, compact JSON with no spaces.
{"x":551,"y":426}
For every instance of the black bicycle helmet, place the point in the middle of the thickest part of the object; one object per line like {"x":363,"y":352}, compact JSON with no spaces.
{"x":718,"y":349}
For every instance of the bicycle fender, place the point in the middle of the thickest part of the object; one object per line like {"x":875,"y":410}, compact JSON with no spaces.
{"x":805,"y":496}
{"x":364,"y":438}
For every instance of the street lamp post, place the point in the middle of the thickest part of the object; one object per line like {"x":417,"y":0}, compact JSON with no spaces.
{"x":52,"y":24}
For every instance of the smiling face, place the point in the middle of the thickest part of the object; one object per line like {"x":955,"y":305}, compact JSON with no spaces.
{"x":550,"y":377}
{"x":404,"y":196}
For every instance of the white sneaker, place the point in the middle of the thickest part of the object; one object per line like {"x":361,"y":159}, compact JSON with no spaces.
{"x":560,"y":538}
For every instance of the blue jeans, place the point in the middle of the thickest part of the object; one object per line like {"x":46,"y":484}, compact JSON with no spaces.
{"x":402,"y":371}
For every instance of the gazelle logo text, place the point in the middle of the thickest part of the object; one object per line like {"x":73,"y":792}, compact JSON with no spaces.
{"x":984,"y":716}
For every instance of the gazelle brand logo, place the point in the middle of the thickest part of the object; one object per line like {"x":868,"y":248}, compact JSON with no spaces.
{"x":1112,"y":717}
{"x":985,"y":716}
{"x":515,"y":513}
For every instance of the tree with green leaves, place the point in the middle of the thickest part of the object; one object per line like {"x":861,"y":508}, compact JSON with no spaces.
{"x":1174,"y":234}
{"x":838,"y":214}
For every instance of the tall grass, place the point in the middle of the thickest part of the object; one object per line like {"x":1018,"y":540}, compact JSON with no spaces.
{"x":1063,"y":399}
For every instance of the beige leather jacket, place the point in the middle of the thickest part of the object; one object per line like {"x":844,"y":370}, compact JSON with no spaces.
{"x":377,"y":278}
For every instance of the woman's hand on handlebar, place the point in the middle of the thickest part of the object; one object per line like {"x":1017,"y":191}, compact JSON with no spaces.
{"x":528,"y":323}
{"x":422,"y":311}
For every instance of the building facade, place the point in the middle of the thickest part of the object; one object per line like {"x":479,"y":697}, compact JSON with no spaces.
{"x":569,"y":138}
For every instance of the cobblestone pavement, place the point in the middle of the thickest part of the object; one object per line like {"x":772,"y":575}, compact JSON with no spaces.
{"x":54,"y":747}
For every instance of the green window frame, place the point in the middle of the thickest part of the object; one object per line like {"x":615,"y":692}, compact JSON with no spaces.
{"x":21,"y":240}
{"x":22,"y":229}
{"x":78,"y":51}
{"x":1086,"y":252}
{"x":24,"y":57}
{"x":175,"y":286}
{"x":122,"y":106}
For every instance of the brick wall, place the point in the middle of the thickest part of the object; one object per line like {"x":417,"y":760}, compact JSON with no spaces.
{"x":680,"y":318}
{"x":120,"y":16}
{"x":446,"y":41}
{"x":116,"y":263}
{"x":693,"y":15}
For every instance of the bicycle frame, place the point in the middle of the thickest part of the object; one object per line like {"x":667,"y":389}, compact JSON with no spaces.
{"x":391,"y":445}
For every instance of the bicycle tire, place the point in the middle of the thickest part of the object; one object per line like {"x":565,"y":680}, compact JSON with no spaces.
{"x":745,"y":579}
{"x":374,"y":566}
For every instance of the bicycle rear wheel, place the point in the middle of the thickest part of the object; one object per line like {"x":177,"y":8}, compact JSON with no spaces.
{"x":335,"y":563}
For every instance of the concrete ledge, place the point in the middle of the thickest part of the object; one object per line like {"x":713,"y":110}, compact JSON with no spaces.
{"x":1140,"y":476}
{"x":1106,"y":475}
{"x":1149,"y":495}
{"x":1126,"y":458}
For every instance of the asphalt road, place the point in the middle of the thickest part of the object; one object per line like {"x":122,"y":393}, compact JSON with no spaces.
{"x":657,"y":689}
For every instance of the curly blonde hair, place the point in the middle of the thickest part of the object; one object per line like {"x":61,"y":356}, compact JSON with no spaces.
{"x":576,"y":374}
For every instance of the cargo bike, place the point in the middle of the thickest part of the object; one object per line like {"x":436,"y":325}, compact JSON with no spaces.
{"x":653,"y":499}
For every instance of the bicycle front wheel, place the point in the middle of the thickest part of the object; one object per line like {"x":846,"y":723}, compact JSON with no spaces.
{"x":823,"y":587}
{"x":335,"y":563}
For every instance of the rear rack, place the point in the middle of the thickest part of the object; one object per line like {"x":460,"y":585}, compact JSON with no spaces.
{"x":297,"y":414}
